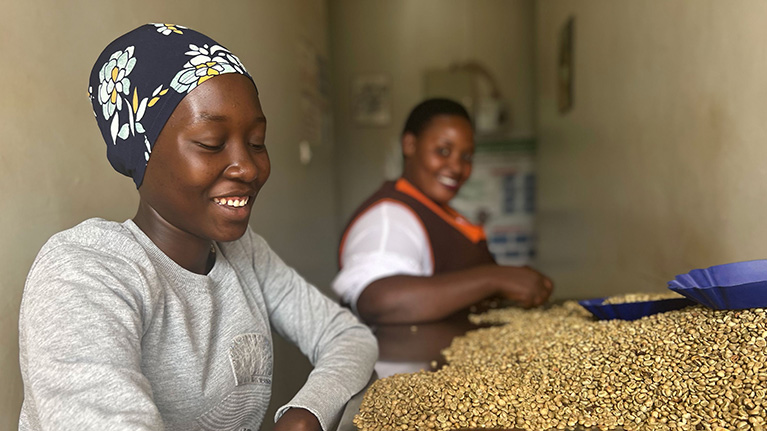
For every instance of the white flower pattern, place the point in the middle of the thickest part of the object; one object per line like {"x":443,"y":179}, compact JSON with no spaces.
{"x":113,"y":85}
{"x":166,"y":29}
{"x":121,"y":105}
{"x":114,"y":92}
{"x":148,"y":148}
{"x":206,"y":62}
{"x":114,"y":80}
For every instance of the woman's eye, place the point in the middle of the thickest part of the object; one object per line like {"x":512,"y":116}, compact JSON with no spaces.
{"x":210,"y":146}
{"x":444,"y":152}
{"x":468,"y":157}
{"x":258,"y":146}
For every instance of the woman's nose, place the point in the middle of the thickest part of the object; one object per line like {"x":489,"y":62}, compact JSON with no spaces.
{"x":242,"y":164}
{"x":455,"y":163}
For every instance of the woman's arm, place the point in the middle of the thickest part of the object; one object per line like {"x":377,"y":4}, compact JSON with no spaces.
{"x":80,"y":345}
{"x":412,"y":299}
{"x":342,"y":350}
{"x":387,"y":240}
{"x":387,"y":273}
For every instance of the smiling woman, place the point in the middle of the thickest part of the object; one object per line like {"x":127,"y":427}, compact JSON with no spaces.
{"x":164,"y":321}
{"x":406,"y":256}
{"x":209,"y":163}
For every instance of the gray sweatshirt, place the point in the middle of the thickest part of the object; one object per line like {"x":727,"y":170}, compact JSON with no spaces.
{"x":114,"y":335}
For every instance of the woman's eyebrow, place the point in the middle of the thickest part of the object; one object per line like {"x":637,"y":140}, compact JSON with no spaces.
{"x":205,"y":116}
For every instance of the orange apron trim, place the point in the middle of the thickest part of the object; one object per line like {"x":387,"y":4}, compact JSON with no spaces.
{"x":473,"y":232}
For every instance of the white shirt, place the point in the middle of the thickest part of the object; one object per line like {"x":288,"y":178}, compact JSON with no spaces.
{"x":387,"y":239}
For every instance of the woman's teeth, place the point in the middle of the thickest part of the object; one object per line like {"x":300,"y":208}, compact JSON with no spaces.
{"x":448,"y":181}
{"x":232,"y":202}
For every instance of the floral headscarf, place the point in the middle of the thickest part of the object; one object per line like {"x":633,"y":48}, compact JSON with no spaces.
{"x":140,"y":78}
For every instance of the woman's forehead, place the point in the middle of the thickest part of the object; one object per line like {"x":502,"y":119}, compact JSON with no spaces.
{"x":218,"y":99}
{"x":446,"y":122}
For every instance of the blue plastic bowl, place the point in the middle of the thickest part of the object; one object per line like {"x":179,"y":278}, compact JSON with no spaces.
{"x":732,"y":286}
{"x":633,"y":310}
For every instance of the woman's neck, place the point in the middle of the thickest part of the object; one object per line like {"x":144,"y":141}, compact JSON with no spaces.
{"x":188,"y":251}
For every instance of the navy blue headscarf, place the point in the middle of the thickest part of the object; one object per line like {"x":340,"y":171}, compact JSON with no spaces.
{"x":140,"y":78}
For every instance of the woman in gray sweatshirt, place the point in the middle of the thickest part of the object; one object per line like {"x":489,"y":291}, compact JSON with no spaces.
{"x":162,"y":322}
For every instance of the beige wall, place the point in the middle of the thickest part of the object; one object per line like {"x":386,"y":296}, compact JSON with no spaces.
{"x":656,"y":170}
{"x":404,"y":38}
{"x":659,"y":168}
{"x":53,"y":172}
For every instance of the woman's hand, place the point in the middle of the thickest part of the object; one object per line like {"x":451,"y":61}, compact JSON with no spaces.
{"x":521,"y":284}
{"x":296,"y":419}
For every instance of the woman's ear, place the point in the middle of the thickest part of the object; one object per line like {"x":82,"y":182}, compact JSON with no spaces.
{"x":408,"y":144}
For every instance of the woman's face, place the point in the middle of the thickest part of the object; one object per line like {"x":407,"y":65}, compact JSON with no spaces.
{"x":210,"y":160}
{"x":438,"y":160}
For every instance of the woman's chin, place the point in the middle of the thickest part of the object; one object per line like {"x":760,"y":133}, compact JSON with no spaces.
{"x":445,"y":197}
{"x":232,"y":233}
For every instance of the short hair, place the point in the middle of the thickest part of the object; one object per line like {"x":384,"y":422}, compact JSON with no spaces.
{"x":423,"y":113}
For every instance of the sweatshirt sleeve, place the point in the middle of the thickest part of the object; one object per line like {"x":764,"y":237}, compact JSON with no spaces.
{"x":342,"y":350}
{"x":80,"y":329}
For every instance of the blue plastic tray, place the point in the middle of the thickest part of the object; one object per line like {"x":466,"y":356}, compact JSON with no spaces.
{"x":732,"y":286}
{"x":633,"y":310}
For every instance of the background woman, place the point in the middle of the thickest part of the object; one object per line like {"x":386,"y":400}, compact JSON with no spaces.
{"x":406,"y":256}
{"x":163,"y":321}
